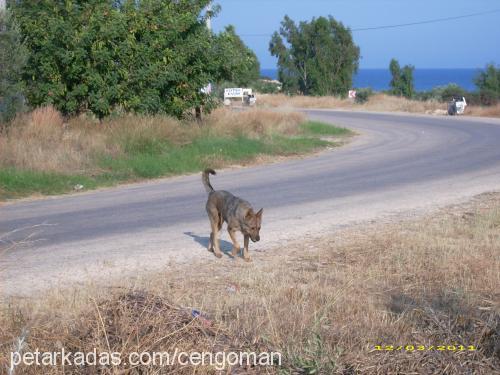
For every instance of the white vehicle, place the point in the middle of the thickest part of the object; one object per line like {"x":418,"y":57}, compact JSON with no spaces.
{"x":246,"y":96}
{"x":457,"y":106}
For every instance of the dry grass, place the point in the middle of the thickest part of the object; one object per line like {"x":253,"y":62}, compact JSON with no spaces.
{"x":325,"y":303}
{"x":42,"y":141}
{"x":255,"y":122}
{"x":377,"y":102}
{"x":493,"y":111}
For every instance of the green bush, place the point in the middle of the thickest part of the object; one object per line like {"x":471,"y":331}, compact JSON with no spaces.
{"x":266,"y":86}
{"x":147,"y":56}
{"x":363,"y":95}
{"x":442,"y":93}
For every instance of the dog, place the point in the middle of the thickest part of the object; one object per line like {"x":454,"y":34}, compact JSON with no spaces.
{"x":236,"y":212}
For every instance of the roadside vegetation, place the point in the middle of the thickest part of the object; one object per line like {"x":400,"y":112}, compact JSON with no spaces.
{"x":402,"y":79}
{"x":372,"y":102}
{"x":325,"y":303}
{"x":316,"y":58}
{"x":41,"y":153}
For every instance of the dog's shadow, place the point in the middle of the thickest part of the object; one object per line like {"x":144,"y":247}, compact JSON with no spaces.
{"x":225,"y":246}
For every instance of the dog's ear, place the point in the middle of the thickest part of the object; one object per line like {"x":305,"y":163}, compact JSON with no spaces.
{"x":249,"y":215}
{"x":259,"y":214}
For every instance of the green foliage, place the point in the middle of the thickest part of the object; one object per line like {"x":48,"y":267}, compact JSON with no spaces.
{"x":147,"y":56}
{"x":315,"y":58}
{"x":316,"y":358}
{"x":402,"y":79}
{"x":442,"y":93}
{"x":237,"y":62}
{"x":488,"y":83}
{"x":266,"y":86}
{"x":363,"y":95}
{"x":13,"y":56}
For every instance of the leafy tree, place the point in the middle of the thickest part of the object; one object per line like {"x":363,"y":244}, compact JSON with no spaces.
{"x":315,"y":58}
{"x":402,"y":79}
{"x":145,"y":56}
{"x":13,"y":56}
{"x":238,"y":63}
{"x":488,"y":83}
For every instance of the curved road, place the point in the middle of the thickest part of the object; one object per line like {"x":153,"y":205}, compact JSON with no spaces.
{"x":399,"y":164}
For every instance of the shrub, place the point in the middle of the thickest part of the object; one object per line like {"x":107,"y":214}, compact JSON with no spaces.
{"x":362,"y":95}
{"x":267,"y":86}
{"x":443,"y":93}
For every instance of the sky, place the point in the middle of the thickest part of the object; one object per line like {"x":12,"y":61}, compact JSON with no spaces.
{"x":461,"y":43}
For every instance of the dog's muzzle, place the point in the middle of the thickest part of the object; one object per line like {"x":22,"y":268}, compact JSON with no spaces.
{"x":255,"y":239}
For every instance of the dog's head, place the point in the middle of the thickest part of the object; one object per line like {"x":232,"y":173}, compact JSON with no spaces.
{"x":251,"y":225}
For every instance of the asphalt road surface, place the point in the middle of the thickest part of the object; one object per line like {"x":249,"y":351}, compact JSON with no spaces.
{"x":398,"y":165}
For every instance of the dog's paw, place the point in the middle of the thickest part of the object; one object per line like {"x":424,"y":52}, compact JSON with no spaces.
{"x":218,"y":255}
{"x":234,"y":252}
{"x":247,"y":259}
{"x":210,"y":249}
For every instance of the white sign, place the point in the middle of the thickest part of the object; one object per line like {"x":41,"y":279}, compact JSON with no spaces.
{"x":352,"y":94}
{"x":233,"y":93}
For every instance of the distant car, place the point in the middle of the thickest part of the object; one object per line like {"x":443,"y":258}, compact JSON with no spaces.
{"x":456,"y":106}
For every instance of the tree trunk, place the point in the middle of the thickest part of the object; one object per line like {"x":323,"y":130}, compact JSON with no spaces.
{"x":197,"y":112}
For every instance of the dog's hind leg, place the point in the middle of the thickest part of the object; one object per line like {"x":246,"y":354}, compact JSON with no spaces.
{"x":215,"y":219}
{"x":236,"y":245}
{"x":216,"y":223}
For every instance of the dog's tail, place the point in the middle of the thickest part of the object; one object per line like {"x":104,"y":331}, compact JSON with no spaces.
{"x":206,"y":180}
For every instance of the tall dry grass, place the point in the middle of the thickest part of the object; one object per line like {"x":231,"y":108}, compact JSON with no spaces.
{"x":254,"y":123}
{"x":43,"y":141}
{"x":377,"y":102}
{"x":492,"y":111}
{"x":325,"y":303}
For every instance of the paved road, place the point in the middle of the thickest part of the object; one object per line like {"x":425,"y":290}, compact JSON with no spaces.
{"x":399,"y":163}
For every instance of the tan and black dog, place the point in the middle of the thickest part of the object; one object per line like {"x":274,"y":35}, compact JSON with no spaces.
{"x":236,"y":212}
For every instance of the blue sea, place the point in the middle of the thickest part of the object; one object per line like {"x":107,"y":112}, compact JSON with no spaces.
{"x":425,"y":79}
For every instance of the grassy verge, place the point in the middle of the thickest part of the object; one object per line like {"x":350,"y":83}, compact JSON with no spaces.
{"x":322,"y":129}
{"x":41,"y":154}
{"x":339,"y":303}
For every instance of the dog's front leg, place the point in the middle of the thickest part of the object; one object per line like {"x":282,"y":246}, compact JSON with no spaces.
{"x":236,"y":245}
{"x":245,"y":248}
{"x":210,"y":246}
